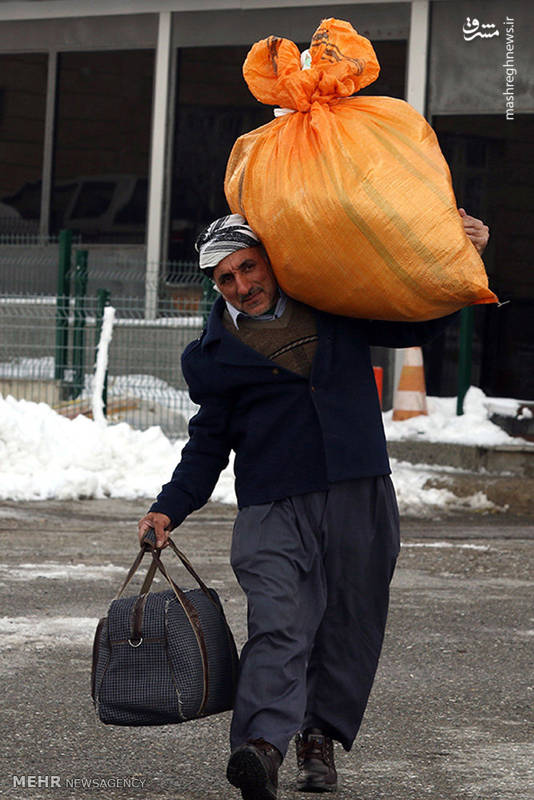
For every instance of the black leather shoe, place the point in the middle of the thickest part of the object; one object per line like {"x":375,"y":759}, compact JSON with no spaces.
{"x":315,"y":762}
{"x":253,"y":768}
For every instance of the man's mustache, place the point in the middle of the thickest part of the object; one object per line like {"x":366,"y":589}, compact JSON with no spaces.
{"x":249,"y":294}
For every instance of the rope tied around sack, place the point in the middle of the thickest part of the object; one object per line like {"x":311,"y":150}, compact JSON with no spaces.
{"x":340,"y":63}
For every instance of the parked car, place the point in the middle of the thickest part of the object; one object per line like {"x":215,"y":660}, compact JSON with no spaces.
{"x":101,"y":208}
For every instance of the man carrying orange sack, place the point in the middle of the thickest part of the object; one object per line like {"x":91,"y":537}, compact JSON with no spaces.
{"x":291,"y":390}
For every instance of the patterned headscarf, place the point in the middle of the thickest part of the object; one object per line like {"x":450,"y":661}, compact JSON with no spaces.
{"x":223,"y":237}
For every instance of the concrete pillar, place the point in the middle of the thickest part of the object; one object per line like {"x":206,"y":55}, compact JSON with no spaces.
{"x":157,"y":163}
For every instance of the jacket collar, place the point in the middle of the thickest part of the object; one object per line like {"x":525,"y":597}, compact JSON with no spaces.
{"x":231,"y":350}
{"x":214,"y":326}
{"x":228,"y":348}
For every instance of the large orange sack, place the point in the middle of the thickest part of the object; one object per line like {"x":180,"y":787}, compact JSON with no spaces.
{"x":351,"y":196}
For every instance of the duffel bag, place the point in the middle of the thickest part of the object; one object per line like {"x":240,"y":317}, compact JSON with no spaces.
{"x":163,"y":657}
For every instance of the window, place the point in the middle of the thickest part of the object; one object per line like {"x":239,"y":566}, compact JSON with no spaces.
{"x":102,"y":143}
{"x":94,"y":199}
{"x":22,"y":117}
{"x":213,"y":108}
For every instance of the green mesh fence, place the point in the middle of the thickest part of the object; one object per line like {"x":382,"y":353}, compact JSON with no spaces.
{"x":145,"y":385}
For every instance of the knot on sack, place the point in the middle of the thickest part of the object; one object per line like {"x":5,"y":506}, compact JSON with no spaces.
{"x":341,"y":63}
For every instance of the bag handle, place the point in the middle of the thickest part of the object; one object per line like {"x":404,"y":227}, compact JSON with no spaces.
{"x":194,"y":620}
{"x":131,"y":572}
{"x":147,"y":545}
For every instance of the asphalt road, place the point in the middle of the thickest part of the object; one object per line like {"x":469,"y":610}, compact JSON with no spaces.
{"x":450,"y":715}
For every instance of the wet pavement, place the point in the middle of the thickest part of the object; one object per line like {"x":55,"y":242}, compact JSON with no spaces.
{"x":450,"y":715}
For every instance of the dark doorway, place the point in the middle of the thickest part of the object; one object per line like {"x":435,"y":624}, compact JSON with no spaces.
{"x":492,"y":166}
{"x":22,"y":121}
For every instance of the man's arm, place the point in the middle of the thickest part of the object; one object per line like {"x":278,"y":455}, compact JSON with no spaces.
{"x":203,"y":458}
{"x":407,"y":334}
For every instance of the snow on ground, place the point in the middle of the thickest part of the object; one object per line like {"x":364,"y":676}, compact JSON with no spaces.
{"x":447,"y":545}
{"x":442,"y":424}
{"x":417,"y":499}
{"x":41,"y":632}
{"x":46,"y":456}
{"x":52,"y":570}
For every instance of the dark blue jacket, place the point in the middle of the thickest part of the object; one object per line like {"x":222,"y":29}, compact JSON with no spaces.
{"x":291,"y":435}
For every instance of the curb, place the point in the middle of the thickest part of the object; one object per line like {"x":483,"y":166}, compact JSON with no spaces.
{"x":503,"y":459}
{"x":505,"y":474}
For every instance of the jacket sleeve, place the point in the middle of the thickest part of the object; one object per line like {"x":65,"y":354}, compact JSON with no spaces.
{"x":407,"y":334}
{"x":204,"y":456}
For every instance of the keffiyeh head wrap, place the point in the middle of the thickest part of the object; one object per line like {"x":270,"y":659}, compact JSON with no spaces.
{"x":223,"y":237}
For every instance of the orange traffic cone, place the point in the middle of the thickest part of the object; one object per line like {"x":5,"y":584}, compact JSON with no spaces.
{"x":410,"y":396}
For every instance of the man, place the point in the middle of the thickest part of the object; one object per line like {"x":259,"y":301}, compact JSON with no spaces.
{"x":291,"y":390}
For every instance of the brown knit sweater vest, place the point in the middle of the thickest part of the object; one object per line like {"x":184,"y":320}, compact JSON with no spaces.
{"x":290,"y":340}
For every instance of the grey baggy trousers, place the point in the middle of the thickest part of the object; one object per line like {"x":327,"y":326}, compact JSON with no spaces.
{"x":316,"y":570}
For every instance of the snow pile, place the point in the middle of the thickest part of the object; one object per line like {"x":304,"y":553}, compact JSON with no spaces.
{"x":442,"y":424}
{"x":44,"y":456}
{"x":417,"y":499}
{"x":47,"y":456}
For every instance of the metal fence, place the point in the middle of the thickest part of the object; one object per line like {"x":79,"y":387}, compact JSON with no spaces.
{"x":48,"y":339}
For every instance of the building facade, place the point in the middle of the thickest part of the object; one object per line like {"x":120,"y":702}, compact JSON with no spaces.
{"x":117,"y":118}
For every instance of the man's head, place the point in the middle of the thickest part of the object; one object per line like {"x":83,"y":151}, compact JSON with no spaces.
{"x":231,"y":253}
{"x":246,"y":280}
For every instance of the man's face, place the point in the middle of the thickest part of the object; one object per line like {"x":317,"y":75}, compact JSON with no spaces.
{"x":246,"y":280}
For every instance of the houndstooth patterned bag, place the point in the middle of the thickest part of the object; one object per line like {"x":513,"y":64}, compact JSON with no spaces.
{"x":163,"y":657}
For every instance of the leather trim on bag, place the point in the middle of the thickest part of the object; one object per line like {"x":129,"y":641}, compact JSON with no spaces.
{"x":169,"y":662}
{"x":194,"y":621}
{"x":97,"y":699}
{"x":96,"y":652}
{"x":136,"y":618}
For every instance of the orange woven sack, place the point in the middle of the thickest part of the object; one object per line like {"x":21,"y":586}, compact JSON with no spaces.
{"x":351,"y":196}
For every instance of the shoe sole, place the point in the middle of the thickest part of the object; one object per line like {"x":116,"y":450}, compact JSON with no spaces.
{"x":247,"y":773}
{"x":309,"y":786}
